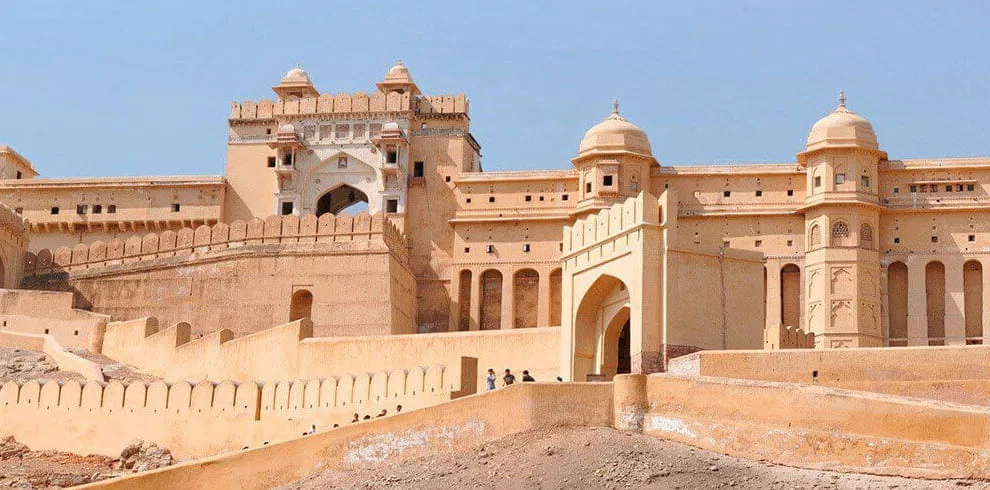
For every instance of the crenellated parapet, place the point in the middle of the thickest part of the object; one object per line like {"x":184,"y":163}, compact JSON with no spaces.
{"x":620,"y":218}
{"x":274,"y":230}
{"x":348,"y":104}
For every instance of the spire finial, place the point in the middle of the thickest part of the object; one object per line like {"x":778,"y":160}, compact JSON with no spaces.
{"x":398,"y":61}
{"x":842,"y":99}
{"x":615,"y":106}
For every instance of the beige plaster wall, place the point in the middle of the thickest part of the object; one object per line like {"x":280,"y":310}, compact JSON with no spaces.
{"x":289,"y":351}
{"x":244,"y":275}
{"x":51,"y":313}
{"x":65,"y":360}
{"x":199,"y":419}
{"x":459,"y":424}
{"x":788,"y":423}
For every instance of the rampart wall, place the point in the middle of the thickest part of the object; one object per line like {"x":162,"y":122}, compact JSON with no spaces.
{"x":246,"y":275}
{"x":290,"y":351}
{"x":344,"y":103}
{"x":198,"y":419}
{"x":51,"y":313}
{"x":66,"y":361}
{"x":957,"y":373}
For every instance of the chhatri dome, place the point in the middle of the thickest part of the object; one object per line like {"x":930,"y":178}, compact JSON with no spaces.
{"x":398,"y":73}
{"x":842,"y":128}
{"x":615,"y":134}
{"x":296,"y":75}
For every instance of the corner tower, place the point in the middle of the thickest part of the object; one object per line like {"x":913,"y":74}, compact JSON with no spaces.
{"x":613,"y":162}
{"x":841,"y":294}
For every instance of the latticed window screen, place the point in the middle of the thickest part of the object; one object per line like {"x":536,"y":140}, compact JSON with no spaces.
{"x":816,"y":236}
{"x":840,"y":230}
{"x":866,"y":235}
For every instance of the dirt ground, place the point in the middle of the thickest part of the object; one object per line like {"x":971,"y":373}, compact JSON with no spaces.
{"x":596,"y":458}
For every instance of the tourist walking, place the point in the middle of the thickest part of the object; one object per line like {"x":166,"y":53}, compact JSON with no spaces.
{"x":527,"y":378}
{"x":490,"y":380}
{"x":509,"y":378}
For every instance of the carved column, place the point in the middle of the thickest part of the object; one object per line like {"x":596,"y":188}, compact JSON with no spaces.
{"x":773,"y":320}
{"x":508,"y":298}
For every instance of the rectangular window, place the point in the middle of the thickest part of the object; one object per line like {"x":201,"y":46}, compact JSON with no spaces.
{"x":959,"y":187}
{"x":864,"y":181}
{"x":19,"y":174}
{"x":287,"y":207}
{"x":97,"y":209}
{"x":934,"y":239}
{"x":971,"y":238}
{"x":112,"y":209}
{"x":55,"y":210}
{"x":759,"y":193}
{"x":818,"y":181}
{"x":923,"y":188}
{"x":287,"y":160}
{"x":419,"y":169}
{"x":376,"y":130}
{"x":587,"y":187}
{"x":790,"y":243}
{"x":525,"y":247}
{"x":896,"y":190}
{"x":897,"y":240}
{"x":948,"y":188}
{"x":176,"y":207}
{"x":840,"y":178}
{"x":82,"y":209}
{"x":726,"y":193}
{"x":392,"y":206}
{"x":326,"y":131}
{"x":529,"y":198}
{"x":969,"y":187}
{"x":790,"y":192}
{"x":341,"y":162}
{"x":271,"y":162}
{"x":913,"y":188}
{"x":491,"y":198}
{"x":759,"y":243}
{"x":467,"y":250}
{"x":359,"y":131}
{"x":607,"y":180}
{"x":342,"y":131}
{"x":309,"y":133}
{"x":392,"y":155}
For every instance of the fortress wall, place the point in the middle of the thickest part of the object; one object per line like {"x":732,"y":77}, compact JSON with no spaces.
{"x":243,"y":275}
{"x":459,"y":424}
{"x":787,"y":423}
{"x":65,"y":360}
{"x":289,"y":351}
{"x":954,"y":373}
{"x":51,"y":313}
{"x":203,"y":418}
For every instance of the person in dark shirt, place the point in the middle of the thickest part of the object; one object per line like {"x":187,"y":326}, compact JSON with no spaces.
{"x":527,"y":378}
{"x":509,"y":378}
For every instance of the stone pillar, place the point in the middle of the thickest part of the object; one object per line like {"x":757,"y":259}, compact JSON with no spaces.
{"x":543,"y":300}
{"x":917,"y":318}
{"x":454,"y":315}
{"x":955,"y":303}
{"x":986,"y":302}
{"x":771,"y":329}
{"x":508,"y":286}
{"x":475,"y":322}
{"x":629,"y":402}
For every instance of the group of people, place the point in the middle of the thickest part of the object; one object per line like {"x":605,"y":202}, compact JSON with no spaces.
{"x":357,"y":417}
{"x":491,"y":380}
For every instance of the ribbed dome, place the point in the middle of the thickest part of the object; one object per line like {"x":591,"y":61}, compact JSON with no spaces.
{"x":842,"y":128}
{"x":615,"y":134}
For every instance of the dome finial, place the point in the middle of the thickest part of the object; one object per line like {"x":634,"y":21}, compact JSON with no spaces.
{"x":842,"y":99}
{"x":615,"y":106}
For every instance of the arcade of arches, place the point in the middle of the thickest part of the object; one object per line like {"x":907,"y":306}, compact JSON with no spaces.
{"x":491,"y":299}
{"x":935,"y":303}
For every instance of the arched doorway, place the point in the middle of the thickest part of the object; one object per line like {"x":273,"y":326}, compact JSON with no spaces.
{"x":973,"y":299}
{"x":342,"y":198}
{"x":301,"y":306}
{"x":601,"y":318}
{"x":491,"y":300}
{"x":897,"y":304}
{"x":935,"y":302}
{"x":525,"y":295}
{"x":790,"y":296}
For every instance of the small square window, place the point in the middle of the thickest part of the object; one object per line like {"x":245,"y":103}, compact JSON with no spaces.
{"x":491,"y":198}
{"x":864,"y":181}
{"x":587,"y":187}
{"x":563,"y":197}
{"x":541,"y":198}
{"x":467,"y":250}
{"x":913,"y":188}
{"x":525,"y":247}
{"x":419,"y":169}
{"x":55,"y":210}
{"x":790,"y":192}
{"x":725,"y":244}
{"x":392,"y":206}
{"x":176,"y":207}
{"x":97,"y":209}
{"x":392,"y":155}
{"x":759,"y":193}
{"x":726,"y":193}
{"x":934,"y":239}
{"x":759,"y":243}
{"x":790,"y":243}
{"x":948,"y":188}
{"x":19,"y":210}
{"x":82,"y":209}
{"x":446,"y":179}
{"x":959,"y":187}
{"x":897,"y":240}
{"x":287,"y":208}
{"x":933,"y":188}
{"x":490,"y":249}
{"x":268,"y":131}
{"x":969,"y":187}
{"x":607,"y":180}
{"x":818,"y":181}
{"x":840,"y":178}
{"x":897,"y":190}
{"x":923,"y":188}
{"x":560,"y":246}
{"x":287,"y":160}
{"x":342,"y":131}
{"x":112,"y":209}
{"x":468,"y":200}
{"x":19,"y":174}
{"x":971,"y":238}
{"x":529,"y":198}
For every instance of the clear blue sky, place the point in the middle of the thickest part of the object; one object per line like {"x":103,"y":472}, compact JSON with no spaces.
{"x":122,"y":88}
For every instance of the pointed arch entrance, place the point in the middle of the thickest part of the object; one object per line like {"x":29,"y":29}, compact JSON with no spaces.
{"x":602,"y":317}
{"x":340,"y":198}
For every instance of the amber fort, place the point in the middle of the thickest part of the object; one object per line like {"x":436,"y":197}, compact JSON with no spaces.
{"x":355,"y":256}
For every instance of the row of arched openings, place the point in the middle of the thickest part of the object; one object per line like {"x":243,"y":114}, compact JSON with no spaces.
{"x":525,"y":297}
{"x":935,"y":302}
{"x":840,"y":236}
